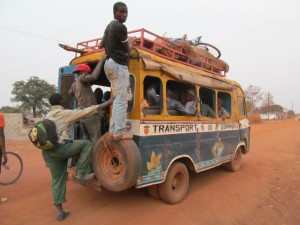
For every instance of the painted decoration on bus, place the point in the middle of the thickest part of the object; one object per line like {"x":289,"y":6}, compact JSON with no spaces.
{"x":218,"y":149}
{"x":128,"y":126}
{"x":158,"y":128}
{"x":154,"y":165}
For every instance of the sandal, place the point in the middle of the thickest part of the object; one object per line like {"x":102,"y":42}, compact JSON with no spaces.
{"x":123,"y":136}
{"x":63,"y":216}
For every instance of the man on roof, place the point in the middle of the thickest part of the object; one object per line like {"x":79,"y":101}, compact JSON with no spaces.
{"x":117,"y":47}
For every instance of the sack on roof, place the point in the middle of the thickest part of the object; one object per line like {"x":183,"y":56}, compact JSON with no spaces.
{"x":194,"y":53}
{"x":43,"y":135}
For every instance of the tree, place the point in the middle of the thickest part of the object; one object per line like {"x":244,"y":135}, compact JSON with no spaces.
{"x":272,"y":109}
{"x":249,"y":106}
{"x":33,"y":94}
{"x":267,"y":99}
{"x":10,"y":109}
{"x":291,"y":114}
{"x":254,"y":96}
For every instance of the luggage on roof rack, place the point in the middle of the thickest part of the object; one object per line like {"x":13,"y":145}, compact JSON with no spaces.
{"x":193,"y":53}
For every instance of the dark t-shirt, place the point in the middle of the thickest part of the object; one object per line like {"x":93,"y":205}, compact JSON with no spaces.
{"x":116,"y":33}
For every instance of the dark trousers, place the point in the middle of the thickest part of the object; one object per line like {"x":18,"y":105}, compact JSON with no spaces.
{"x":91,"y":128}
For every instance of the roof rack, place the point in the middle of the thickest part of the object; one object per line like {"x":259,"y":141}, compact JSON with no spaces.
{"x":158,"y":45}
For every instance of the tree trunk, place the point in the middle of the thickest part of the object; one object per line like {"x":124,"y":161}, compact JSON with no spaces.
{"x":34,"y":111}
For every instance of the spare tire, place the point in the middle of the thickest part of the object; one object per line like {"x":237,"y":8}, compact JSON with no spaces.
{"x":117,"y":164}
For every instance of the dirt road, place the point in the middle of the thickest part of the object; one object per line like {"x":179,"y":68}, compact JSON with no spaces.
{"x":265,"y":191}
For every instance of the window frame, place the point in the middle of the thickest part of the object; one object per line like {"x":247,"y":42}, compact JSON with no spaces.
{"x":223,"y":93}
{"x":211,"y":105}
{"x":131,"y":103}
{"x":159,"y":108}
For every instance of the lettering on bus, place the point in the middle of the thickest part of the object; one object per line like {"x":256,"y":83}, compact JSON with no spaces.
{"x":169,"y":128}
{"x":229,"y":126}
{"x":177,"y":128}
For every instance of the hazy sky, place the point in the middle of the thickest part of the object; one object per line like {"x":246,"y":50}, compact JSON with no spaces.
{"x":260,"y":39}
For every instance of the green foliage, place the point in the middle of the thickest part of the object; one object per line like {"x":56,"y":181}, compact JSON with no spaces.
{"x":271,"y":109}
{"x":10,"y":109}
{"x":291,"y":114}
{"x":33,"y":94}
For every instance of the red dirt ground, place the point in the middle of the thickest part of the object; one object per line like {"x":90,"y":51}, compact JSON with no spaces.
{"x":266,"y":190}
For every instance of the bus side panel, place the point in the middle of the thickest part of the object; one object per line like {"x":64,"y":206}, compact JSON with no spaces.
{"x":205,"y":149}
{"x":245,"y":133}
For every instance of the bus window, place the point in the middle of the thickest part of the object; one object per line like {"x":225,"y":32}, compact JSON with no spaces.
{"x":242,"y":107}
{"x":181,"y":99}
{"x":98,"y":93}
{"x":130,"y":93}
{"x":152,"y":94}
{"x":207,"y":98}
{"x":65,"y":84}
{"x":224,"y":105}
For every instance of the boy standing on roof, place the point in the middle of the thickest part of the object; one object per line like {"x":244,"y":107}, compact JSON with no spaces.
{"x":117,"y":47}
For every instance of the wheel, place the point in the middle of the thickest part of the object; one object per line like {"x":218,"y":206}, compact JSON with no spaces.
{"x":236,"y":162}
{"x":153,"y":191}
{"x":117,"y":164}
{"x":12,"y":170}
{"x":174,"y":188}
{"x":206,"y":45}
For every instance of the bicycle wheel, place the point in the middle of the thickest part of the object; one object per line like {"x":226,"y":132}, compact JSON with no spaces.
{"x":208,"y":46}
{"x":12,"y":170}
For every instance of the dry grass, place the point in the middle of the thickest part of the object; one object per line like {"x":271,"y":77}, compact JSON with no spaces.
{"x":254,"y":118}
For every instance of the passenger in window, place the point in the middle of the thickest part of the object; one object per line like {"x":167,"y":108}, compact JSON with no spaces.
{"x":207,"y":111}
{"x":191,"y":98}
{"x":221,"y":110}
{"x":152,"y":97}
{"x":172,"y":103}
{"x":106,"y":96}
{"x":98,"y":93}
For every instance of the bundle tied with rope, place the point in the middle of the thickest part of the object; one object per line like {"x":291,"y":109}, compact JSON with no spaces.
{"x":195,"y":54}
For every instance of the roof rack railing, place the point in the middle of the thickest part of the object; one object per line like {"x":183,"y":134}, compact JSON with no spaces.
{"x":158,"y":45}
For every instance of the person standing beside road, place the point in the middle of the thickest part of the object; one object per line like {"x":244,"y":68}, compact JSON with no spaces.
{"x":82,"y":90}
{"x":3,"y":158}
{"x":57,"y":158}
{"x":117,"y":48}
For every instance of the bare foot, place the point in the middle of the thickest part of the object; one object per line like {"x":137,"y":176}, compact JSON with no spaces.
{"x":3,"y":199}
